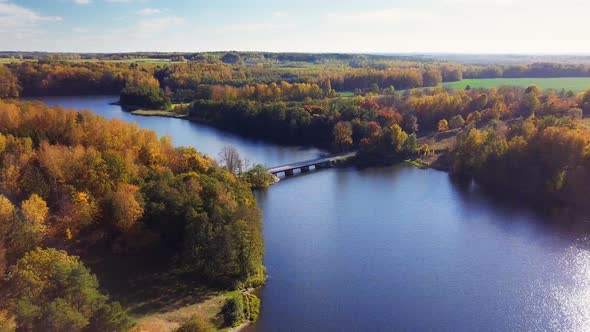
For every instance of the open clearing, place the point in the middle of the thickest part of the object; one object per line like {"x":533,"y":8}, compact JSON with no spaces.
{"x":575,"y":84}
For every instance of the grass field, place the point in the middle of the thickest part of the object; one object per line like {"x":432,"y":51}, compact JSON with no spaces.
{"x":575,"y":84}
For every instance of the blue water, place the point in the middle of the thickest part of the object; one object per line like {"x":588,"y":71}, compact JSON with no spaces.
{"x":398,"y":248}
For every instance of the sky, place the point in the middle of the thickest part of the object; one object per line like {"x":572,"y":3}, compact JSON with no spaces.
{"x":367,"y":26}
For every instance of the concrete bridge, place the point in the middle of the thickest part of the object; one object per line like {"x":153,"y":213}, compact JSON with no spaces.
{"x":305,"y":166}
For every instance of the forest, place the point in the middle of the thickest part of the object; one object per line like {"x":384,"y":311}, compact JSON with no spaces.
{"x":74,"y":185}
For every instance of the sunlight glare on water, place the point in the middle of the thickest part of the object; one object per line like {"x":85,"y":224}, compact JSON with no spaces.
{"x":573,"y":299}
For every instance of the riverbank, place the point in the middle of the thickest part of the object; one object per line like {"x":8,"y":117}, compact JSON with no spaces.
{"x":169,"y":114}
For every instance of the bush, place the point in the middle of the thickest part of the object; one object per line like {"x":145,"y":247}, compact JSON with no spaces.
{"x":240,"y":307}
{"x":259,"y":177}
{"x":233,"y":310}
{"x":575,"y":113}
{"x":251,"y":307}
{"x":457,"y":122}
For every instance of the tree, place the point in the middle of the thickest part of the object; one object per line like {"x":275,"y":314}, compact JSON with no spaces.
{"x":534,"y":89}
{"x":127,"y":207}
{"x":411,"y":144}
{"x":51,"y":291}
{"x":342,"y":135}
{"x":83,"y":212}
{"x":585,"y":101}
{"x":7,"y":221}
{"x":33,"y":229}
{"x":374,"y":88}
{"x":231,"y":58}
{"x":575,"y":113}
{"x":530,"y":104}
{"x":230,"y":158}
{"x":259,"y":177}
{"x":9,"y":84}
{"x":443,"y":125}
{"x":410,"y":123}
{"x":390,"y":91}
{"x":456,"y":122}
{"x":397,"y":138}
{"x":432,"y":77}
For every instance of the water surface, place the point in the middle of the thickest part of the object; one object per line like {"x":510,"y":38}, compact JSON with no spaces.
{"x":398,"y":248}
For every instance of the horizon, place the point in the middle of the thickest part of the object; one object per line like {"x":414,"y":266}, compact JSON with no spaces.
{"x":480,"y":27}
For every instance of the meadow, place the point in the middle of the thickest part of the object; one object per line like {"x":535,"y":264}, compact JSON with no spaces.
{"x":576,"y":84}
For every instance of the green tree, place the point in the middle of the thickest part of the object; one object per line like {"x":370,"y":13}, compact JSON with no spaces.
{"x":231,"y":58}
{"x":411,"y":144}
{"x":51,"y":291}
{"x":456,"y":122}
{"x":530,"y":104}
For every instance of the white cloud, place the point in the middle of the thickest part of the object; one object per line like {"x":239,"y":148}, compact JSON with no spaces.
{"x":83,"y":2}
{"x":149,"y":11}
{"x":280,"y":14}
{"x":16,"y":17}
{"x":159,"y":23}
{"x":388,"y":14}
{"x":253,"y":27}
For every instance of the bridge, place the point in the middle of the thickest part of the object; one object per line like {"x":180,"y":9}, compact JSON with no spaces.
{"x":305,"y":166}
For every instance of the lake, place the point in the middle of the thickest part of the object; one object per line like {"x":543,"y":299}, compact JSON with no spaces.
{"x":397,"y":248}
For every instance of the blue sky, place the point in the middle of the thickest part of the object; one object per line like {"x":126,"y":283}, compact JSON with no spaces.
{"x":453,"y":26}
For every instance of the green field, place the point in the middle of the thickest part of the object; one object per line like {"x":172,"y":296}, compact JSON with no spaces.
{"x":575,"y":84}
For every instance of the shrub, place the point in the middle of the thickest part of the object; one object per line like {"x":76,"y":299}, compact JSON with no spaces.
{"x":233,"y":310}
{"x":240,"y":307}
{"x":457,"y":122}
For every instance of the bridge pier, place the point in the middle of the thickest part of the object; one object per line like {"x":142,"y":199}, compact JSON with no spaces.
{"x":289,"y":172}
{"x":305,"y":169}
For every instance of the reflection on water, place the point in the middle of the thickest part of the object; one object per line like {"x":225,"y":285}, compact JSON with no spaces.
{"x":397,"y":248}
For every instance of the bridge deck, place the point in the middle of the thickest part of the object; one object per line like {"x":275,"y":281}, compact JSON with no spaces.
{"x":293,"y":166}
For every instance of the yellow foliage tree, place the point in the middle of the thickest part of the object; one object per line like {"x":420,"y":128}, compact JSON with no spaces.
{"x":127,"y":207}
{"x":34,"y":211}
{"x":443,"y":125}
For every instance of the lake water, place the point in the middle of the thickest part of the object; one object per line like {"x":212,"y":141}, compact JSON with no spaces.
{"x":397,"y":248}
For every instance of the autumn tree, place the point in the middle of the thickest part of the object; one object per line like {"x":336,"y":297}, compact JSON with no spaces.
{"x":7,"y":223}
{"x":585,"y":101}
{"x":397,"y":138}
{"x":127,"y":206}
{"x":443,"y":125}
{"x":9,"y":84}
{"x":342,"y":135}
{"x":31,"y":230}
